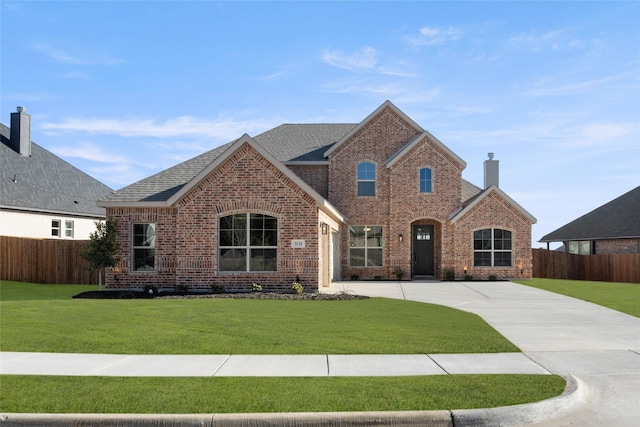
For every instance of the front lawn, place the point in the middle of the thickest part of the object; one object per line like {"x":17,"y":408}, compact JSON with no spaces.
{"x":624,"y":297}
{"x":38,"y":394}
{"x":44,"y":318}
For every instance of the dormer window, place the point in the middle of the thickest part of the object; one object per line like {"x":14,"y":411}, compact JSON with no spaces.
{"x":425,"y":180}
{"x":366,"y":179}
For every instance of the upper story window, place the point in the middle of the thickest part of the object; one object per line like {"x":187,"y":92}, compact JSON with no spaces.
{"x":425,"y":180}
{"x":366,"y":179}
{"x":144,"y":247}
{"x":492,"y":248}
{"x":365,"y":246}
{"x":55,"y":228}
{"x":248,"y":242}
{"x":68,"y":229}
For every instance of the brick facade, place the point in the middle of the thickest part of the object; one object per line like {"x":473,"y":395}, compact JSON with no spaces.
{"x":617,"y":246}
{"x":304,"y":197}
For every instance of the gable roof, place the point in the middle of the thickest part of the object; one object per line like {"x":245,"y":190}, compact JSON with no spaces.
{"x":365,"y":122}
{"x":474,"y":200}
{"x":415,"y":141}
{"x":175,"y":193}
{"x":617,"y":219}
{"x":287,"y":143}
{"x":46,"y":183}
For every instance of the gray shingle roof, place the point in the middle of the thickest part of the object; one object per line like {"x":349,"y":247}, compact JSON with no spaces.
{"x":45,"y":182}
{"x":620,"y":218}
{"x":287,"y":143}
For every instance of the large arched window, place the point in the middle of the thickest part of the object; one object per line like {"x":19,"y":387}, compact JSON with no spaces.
{"x":366,"y":179}
{"x":425,"y":180}
{"x":248,"y":242}
{"x":492,"y":248}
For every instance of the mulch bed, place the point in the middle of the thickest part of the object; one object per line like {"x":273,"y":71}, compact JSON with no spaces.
{"x":120,"y":294}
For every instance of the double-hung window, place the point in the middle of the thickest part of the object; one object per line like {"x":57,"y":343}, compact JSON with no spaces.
{"x":492,"y":248}
{"x":425,"y":180}
{"x":366,"y":179}
{"x":248,"y":242}
{"x":55,"y":228}
{"x":365,"y":246}
{"x":144,"y":247}
{"x":68,"y":229}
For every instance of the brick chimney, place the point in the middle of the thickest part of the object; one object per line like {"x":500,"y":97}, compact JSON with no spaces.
{"x":491,"y":172}
{"x":20,"y":136}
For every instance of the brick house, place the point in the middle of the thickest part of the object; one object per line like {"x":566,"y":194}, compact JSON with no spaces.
{"x":321,"y":202}
{"x":613,"y":228}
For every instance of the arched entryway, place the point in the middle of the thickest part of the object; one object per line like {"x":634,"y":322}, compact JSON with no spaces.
{"x":426,"y":243}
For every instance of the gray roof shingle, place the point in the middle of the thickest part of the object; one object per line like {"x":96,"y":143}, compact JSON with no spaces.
{"x":46,"y":183}
{"x":620,"y":218}
{"x":288,"y":143}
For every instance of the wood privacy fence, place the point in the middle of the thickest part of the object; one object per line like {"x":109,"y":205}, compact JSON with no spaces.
{"x":44,"y":261}
{"x":607,"y":268}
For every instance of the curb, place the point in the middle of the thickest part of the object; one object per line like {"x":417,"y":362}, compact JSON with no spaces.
{"x":573,"y":396}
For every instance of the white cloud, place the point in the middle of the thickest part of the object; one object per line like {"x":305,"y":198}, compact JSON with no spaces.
{"x":430,"y":36}
{"x":90,"y":152}
{"x":545,"y":88}
{"x":363,"y":59}
{"x":224,"y":129}
{"x":78,"y":57}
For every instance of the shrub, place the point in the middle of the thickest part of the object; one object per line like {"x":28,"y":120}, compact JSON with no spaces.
{"x":449,"y":275}
{"x":493,"y":277}
{"x":377,"y":277}
{"x":181,"y":288}
{"x":398,"y":272}
{"x":217,"y":289}
{"x":256,"y":287}
{"x":297,"y":287}
{"x":355,"y":276}
{"x":468,"y":277}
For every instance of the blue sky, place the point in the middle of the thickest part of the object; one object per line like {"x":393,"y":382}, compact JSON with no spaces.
{"x":123,"y":89}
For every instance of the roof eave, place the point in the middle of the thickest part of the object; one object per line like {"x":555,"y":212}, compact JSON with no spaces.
{"x":51,"y":211}
{"x":457,"y":215}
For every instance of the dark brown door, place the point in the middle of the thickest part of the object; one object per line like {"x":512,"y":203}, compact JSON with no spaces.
{"x":423,"y":250}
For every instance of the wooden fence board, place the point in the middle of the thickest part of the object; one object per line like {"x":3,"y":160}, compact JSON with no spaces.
{"x":606,"y":268}
{"x":44,"y":261}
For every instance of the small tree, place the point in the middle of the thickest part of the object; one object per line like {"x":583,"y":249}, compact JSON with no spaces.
{"x":102,"y":248}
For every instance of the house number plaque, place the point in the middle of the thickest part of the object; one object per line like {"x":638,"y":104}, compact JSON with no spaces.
{"x":298,"y":243}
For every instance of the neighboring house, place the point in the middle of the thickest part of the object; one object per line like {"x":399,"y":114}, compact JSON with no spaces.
{"x":318,"y":202}
{"x":41,"y":195}
{"x":613,"y":228}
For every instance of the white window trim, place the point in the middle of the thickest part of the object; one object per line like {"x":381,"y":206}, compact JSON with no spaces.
{"x":366,"y":247}
{"x":374,"y":180}
{"x":247,"y":247}
{"x":58,"y":228}
{"x":134,"y":248}
{"x":492,"y":250}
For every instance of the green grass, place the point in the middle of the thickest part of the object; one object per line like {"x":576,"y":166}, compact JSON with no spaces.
{"x":44,"y":318}
{"x":624,"y":297}
{"x":44,"y":394}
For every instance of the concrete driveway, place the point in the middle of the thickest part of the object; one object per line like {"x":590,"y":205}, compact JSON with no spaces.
{"x":598,"y":346}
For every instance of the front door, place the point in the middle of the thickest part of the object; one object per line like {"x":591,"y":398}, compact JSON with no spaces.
{"x":423,"y":250}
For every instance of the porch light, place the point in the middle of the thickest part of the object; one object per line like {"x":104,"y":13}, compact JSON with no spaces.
{"x":521,"y":267}
{"x":325,"y":227}
{"x":400,"y":238}
{"x":465,"y":269}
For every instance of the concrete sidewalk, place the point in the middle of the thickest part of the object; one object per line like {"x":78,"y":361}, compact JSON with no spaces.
{"x":265,"y":365}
